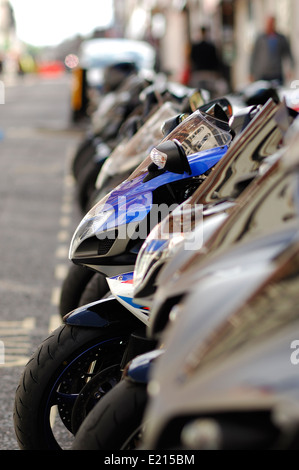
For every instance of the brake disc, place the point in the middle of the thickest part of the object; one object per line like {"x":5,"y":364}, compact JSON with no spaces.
{"x":92,"y":392}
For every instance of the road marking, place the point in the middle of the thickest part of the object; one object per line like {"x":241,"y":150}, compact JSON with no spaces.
{"x":61,"y":271}
{"x":65,"y":221}
{"x":69,"y":181}
{"x":62,"y":252}
{"x":63,"y":236}
{"x":37,"y":169}
{"x":27,"y":324}
{"x":66,"y":208}
{"x":8,"y":285}
{"x":15,"y":338}
{"x":55,"y":298}
{"x":55,"y":322}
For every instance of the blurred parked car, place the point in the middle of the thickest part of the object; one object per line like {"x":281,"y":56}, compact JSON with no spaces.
{"x":93,"y":73}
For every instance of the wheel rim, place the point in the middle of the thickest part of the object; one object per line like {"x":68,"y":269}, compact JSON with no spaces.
{"x":57,"y":412}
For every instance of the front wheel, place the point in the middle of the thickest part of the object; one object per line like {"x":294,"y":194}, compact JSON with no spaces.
{"x":115,"y":423}
{"x":54,"y":377}
{"x":86,"y":183}
{"x":73,"y":286}
{"x":81,"y":286}
{"x":83,"y":155}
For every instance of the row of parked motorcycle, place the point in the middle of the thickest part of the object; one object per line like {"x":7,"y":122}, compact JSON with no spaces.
{"x":179,"y":311}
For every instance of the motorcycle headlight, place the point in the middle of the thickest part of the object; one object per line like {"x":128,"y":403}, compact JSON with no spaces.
{"x":163,"y":242}
{"x":91,"y":225}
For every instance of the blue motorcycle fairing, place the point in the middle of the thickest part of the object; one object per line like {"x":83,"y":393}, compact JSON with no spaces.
{"x":130,"y":203}
{"x":139,"y":368}
{"x":132,"y":200}
{"x":97,"y":314}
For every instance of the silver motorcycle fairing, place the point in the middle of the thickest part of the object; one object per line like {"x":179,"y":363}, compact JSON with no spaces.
{"x":269,"y":205}
{"x":233,"y":358}
{"x":248,"y":157}
{"x":182,"y":244}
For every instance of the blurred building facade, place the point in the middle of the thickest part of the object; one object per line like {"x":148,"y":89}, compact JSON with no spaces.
{"x":10,"y":46}
{"x":7,"y":25}
{"x":172,"y":24}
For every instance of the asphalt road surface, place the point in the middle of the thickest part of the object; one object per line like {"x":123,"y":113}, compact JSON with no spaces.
{"x":37,"y":218}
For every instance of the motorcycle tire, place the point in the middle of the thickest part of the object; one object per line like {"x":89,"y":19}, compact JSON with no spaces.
{"x":83,"y":155}
{"x":54,"y":377}
{"x":86,"y":183}
{"x":73,"y":287}
{"x":115,"y":423}
{"x":96,"y":288}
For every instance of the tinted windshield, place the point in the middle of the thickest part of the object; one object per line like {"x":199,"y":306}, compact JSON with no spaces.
{"x":260,"y":139}
{"x":196,"y":133}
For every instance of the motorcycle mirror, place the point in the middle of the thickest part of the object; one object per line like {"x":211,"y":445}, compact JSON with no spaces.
{"x":218,"y":112}
{"x":172,"y":123}
{"x":242,"y":118}
{"x":224,"y":103}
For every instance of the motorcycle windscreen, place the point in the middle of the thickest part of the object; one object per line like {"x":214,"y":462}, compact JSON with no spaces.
{"x":196,"y":133}
{"x":129,"y":153}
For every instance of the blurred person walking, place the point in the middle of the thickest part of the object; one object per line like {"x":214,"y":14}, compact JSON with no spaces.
{"x":204,"y":62}
{"x":270,"y":52}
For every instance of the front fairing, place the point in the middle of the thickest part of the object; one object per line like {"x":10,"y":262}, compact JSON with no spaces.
{"x":212,"y":220}
{"x":241,"y":358}
{"x":185,"y":230}
{"x":124,"y":209}
{"x":251,"y":258}
{"x":121,"y":288}
{"x":261,"y":379}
